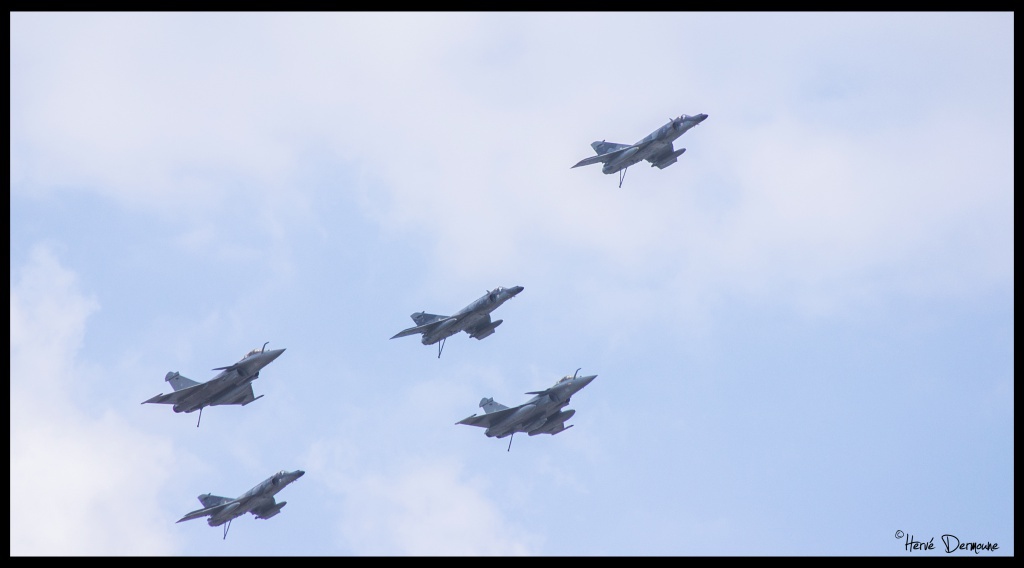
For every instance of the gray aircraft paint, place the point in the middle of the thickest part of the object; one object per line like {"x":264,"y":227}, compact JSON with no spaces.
{"x":542,"y":414}
{"x":656,"y":148}
{"x":259,"y":501}
{"x":474,"y":319}
{"x":233,"y":385}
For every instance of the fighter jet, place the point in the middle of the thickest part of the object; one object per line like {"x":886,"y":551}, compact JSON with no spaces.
{"x":542,"y":414}
{"x":656,"y":148}
{"x":259,"y":501}
{"x":474,"y":319}
{"x":233,"y":385}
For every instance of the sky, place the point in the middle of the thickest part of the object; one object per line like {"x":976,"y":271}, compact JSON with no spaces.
{"x":802,"y":331}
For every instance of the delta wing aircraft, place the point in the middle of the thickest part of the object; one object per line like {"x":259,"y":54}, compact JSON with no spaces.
{"x":542,"y":414}
{"x":259,"y":501}
{"x":474,"y":319}
{"x":656,"y":148}
{"x":233,"y":385}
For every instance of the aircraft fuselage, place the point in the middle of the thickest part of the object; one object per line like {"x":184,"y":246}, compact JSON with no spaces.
{"x":542,"y":412}
{"x":650,"y":145}
{"x":450,"y":328}
{"x":653,"y":143}
{"x":632,"y":157}
{"x":255,"y":497}
{"x":471,"y":315}
{"x":230,"y":383}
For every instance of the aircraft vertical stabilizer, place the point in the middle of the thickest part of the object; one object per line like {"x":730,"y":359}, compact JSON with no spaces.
{"x":489,"y":405}
{"x":179,"y":382}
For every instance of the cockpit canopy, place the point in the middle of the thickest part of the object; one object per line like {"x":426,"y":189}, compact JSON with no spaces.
{"x":492,"y":295}
{"x":568,"y":378}
{"x":255,"y":351}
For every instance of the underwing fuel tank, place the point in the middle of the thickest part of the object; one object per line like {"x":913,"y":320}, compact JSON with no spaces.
{"x":485,"y":331}
{"x":553,"y":422}
{"x":275,"y":510}
{"x":535,"y":424}
{"x":669,"y":160}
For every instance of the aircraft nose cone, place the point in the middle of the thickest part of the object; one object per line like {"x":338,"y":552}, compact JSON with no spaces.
{"x":298,"y":473}
{"x":273,"y":354}
{"x":701,"y":117}
{"x":584,"y":381}
{"x":515,"y":290}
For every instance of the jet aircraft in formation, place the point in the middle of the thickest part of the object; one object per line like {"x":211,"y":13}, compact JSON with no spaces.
{"x":542,"y":414}
{"x":656,"y":148}
{"x":474,"y":319}
{"x":233,"y":385}
{"x":545,"y":413}
{"x":259,"y":501}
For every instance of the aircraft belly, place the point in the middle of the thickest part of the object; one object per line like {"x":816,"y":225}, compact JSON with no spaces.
{"x":446,"y":329}
{"x":190,"y":404}
{"x":226,"y":514}
{"x":508,"y":425}
{"x":652,"y":150}
{"x":432,"y":338}
{"x":232,"y":395}
{"x":470,"y":321}
{"x":200,"y":397}
{"x":625,"y":159}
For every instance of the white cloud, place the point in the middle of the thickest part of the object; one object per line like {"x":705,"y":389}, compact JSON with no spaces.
{"x":81,"y":483}
{"x":416,"y":507}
